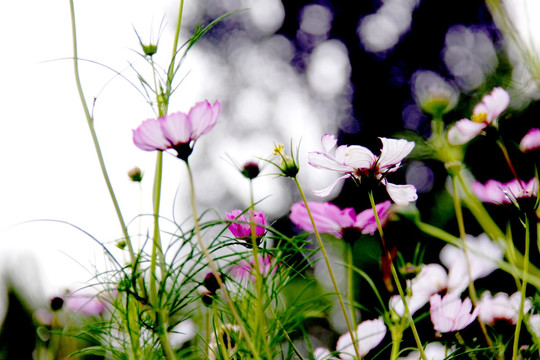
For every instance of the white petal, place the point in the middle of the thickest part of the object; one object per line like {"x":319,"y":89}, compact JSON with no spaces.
{"x":324,"y":161}
{"x":464,"y":131}
{"x":328,"y":142}
{"x":327,"y":190}
{"x":393,"y":151}
{"x":359,"y":157}
{"x":496,"y":102}
{"x":401,"y":194}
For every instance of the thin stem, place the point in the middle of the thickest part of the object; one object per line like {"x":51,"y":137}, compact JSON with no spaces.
{"x":90,"y":122}
{"x":396,"y":278}
{"x":523,"y":289}
{"x":330,"y":272}
{"x":462,"y":236}
{"x":350,"y":279}
{"x":212,"y":264}
{"x":508,"y":161}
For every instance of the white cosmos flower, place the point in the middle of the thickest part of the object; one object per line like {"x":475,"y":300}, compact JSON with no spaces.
{"x":368,"y":335}
{"x":359,"y":162}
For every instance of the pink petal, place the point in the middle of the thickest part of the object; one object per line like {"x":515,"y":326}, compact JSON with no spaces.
{"x":490,"y":192}
{"x":401,"y":194}
{"x":531,"y":141}
{"x":176,"y":128}
{"x":328,"y":142}
{"x":496,"y":102}
{"x":464,"y":131}
{"x":326,"y":216}
{"x":203,"y":117}
{"x":393,"y":151}
{"x":365,"y":221}
{"x":149,"y":137}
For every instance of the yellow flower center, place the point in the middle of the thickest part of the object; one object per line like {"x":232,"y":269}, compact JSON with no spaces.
{"x":278,"y":149}
{"x":480,"y":117}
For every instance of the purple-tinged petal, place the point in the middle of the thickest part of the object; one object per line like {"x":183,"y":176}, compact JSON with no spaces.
{"x":490,"y":192}
{"x":496,"y":102}
{"x":401,"y":194}
{"x":149,"y":137}
{"x":360,"y":157}
{"x":531,"y":141}
{"x":327,"y":190}
{"x":324,"y":161}
{"x":176,"y":128}
{"x":203,"y":117}
{"x":328,"y":142}
{"x":464,"y":131}
{"x":327,"y":217}
{"x":365,"y":221}
{"x":368,"y":335}
{"x":393,"y":151}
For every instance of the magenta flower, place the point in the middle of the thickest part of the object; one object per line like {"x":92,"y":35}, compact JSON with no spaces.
{"x":496,"y":192}
{"x":450,"y":313}
{"x":330,"y":219}
{"x":501,"y":307}
{"x":177,"y":131}
{"x":84,"y":304}
{"x":244,"y":270}
{"x":484,"y":114}
{"x":240,"y":225}
{"x":531,"y":141}
{"x":360,"y":163}
{"x":368,"y":335}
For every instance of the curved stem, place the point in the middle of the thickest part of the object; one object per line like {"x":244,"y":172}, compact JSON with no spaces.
{"x":396,"y":279}
{"x":213,"y":267}
{"x":462,"y":236}
{"x":330,"y":272}
{"x":523,"y":289}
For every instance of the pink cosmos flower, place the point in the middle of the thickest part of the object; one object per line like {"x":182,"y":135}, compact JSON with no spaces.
{"x":531,"y":141}
{"x":330,"y":219}
{"x":484,"y":114}
{"x":501,"y":307}
{"x":496,"y":192}
{"x":359,"y":162}
{"x":240,"y":225}
{"x":243,"y":271}
{"x":178,"y":130}
{"x":84,"y":304}
{"x":368,"y":335}
{"x":450,"y":313}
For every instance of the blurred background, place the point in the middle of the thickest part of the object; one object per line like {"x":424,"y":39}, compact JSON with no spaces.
{"x":285,"y":71}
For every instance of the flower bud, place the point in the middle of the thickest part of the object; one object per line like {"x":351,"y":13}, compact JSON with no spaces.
{"x":135,"y":174}
{"x":250,"y":170}
{"x":434,"y":94}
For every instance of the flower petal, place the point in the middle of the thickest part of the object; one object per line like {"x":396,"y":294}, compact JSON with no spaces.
{"x":531,"y":141}
{"x":496,"y":102}
{"x":176,"y":128}
{"x":327,"y":190}
{"x":328,"y":142}
{"x":393,"y":151}
{"x":324,"y":161}
{"x":359,"y":157}
{"x":149,"y":137}
{"x":401,"y":194}
{"x":203,"y":117}
{"x":464,"y":131}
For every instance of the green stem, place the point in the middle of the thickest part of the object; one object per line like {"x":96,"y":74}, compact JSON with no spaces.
{"x":97,"y":147}
{"x":330,"y":272}
{"x":462,"y":236}
{"x":213,"y":267}
{"x":350,"y":279}
{"x":523,"y":290}
{"x":396,"y":279}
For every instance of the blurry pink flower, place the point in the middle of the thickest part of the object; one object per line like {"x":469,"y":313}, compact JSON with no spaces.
{"x":240,"y":225}
{"x":496,"y":192}
{"x":244,"y":270}
{"x":330,"y":219}
{"x":531,"y":141}
{"x":484,"y":114}
{"x":483,"y":255}
{"x":501,"y":307}
{"x":359,"y":162}
{"x":178,"y":130}
{"x":84,"y":304}
{"x":450,"y":313}
{"x":368,"y":335}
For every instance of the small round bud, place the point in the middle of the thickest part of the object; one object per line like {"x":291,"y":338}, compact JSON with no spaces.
{"x":211,"y":283}
{"x":149,"y":49}
{"x":433,"y":93}
{"x":135,"y":174}
{"x":56,"y":303}
{"x":121,"y":244}
{"x":250,"y":170}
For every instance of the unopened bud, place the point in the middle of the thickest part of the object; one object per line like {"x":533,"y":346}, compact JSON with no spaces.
{"x":250,"y":170}
{"x":135,"y":174}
